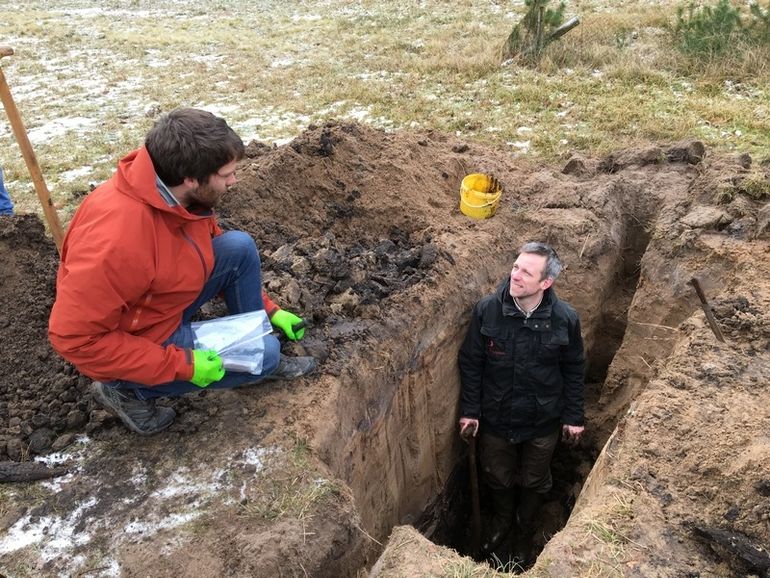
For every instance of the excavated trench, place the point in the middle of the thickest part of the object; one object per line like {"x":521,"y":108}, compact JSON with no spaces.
{"x":404,"y":460}
{"x":446,"y":520}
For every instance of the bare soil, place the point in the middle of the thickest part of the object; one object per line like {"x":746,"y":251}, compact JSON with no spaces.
{"x":360,"y":232}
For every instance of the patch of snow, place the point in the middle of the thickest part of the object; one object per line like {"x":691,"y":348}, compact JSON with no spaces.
{"x":305,"y":17}
{"x":358,"y":113}
{"x":55,"y":484}
{"x":75,"y":174}
{"x":60,"y":127}
{"x":147,"y":529}
{"x":61,"y":532}
{"x":284,"y":62}
{"x":523,"y":146}
{"x":181,"y":482}
{"x":255,"y":456}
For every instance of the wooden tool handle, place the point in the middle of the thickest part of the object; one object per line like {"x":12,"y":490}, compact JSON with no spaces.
{"x":28,"y":153}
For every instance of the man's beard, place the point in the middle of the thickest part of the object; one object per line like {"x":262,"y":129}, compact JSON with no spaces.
{"x":205,"y":197}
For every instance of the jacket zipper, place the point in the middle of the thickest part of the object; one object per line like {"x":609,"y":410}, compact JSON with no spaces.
{"x":138,"y":313}
{"x":200,"y":255}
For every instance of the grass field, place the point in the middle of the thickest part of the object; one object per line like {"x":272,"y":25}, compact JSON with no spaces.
{"x":90,"y":81}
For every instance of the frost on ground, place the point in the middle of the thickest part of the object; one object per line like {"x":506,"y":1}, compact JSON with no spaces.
{"x":133,"y":510}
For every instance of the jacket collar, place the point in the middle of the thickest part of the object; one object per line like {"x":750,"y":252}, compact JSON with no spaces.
{"x":509,"y":307}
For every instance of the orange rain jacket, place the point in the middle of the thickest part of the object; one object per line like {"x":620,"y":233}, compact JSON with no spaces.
{"x":130,"y":265}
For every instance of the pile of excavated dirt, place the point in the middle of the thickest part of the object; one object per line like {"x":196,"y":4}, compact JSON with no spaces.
{"x":360,"y":233}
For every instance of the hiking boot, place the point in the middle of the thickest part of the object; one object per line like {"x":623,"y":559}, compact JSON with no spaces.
{"x":293,"y":367}
{"x":140,"y":416}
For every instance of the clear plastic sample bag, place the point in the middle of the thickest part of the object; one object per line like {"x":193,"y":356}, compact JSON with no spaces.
{"x":238,"y":339}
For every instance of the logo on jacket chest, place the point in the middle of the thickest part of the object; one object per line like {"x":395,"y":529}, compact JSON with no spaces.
{"x":495,"y":348}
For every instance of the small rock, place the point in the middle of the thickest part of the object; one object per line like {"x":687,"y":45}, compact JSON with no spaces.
{"x":763,"y":487}
{"x":300,"y":266}
{"x":76,"y":419}
{"x":62,"y":442}
{"x":292,"y":292}
{"x":706,"y":218}
{"x":98,"y":416}
{"x":460,"y":148}
{"x":385,"y":247}
{"x":428,"y":255}
{"x":651,"y":155}
{"x":283,"y":252}
{"x":14,"y":449}
{"x":732,"y":514}
{"x":40,"y":440}
{"x":575,"y":166}
{"x":745,"y":160}
{"x":40,"y":420}
{"x":691,"y":152}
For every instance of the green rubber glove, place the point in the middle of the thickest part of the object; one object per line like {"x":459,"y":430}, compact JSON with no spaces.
{"x":291,"y":325}
{"x":207,"y":367}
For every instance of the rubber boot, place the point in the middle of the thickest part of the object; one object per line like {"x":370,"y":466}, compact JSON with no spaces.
{"x":529,"y":504}
{"x":503,"y":506}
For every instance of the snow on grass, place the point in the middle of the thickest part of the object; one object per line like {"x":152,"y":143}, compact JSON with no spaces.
{"x":395,"y":64}
{"x":60,"y":127}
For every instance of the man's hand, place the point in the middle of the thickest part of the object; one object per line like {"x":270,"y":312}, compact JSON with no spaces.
{"x":571,"y":433}
{"x":207,"y":367}
{"x":291,"y":325}
{"x":469,"y":427}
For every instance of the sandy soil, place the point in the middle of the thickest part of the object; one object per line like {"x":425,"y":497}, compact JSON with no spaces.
{"x":360,"y":232}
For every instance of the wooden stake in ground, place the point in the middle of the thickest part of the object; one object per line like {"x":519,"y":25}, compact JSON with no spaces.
{"x":707,"y":310}
{"x":51,"y":217}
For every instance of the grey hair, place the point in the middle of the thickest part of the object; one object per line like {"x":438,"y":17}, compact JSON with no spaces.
{"x":552,"y":262}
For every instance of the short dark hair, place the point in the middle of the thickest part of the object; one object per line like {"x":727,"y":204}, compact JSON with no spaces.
{"x":552,"y":261}
{"x":189,"y":142}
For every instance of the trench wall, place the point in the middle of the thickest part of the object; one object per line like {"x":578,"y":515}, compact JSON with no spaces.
{"x":396,"y":439}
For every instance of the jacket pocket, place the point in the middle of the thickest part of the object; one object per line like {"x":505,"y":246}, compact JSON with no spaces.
{"x":549,"y":408}
{"x":498,"y":345}
{"x":551,"y":344}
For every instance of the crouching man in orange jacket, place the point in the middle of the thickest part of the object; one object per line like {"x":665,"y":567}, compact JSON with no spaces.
{"x":142,"y":254}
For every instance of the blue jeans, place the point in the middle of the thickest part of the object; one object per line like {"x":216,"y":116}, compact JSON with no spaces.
{"x":237,"y":275}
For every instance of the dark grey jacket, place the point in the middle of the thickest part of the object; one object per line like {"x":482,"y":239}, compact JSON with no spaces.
{"x":522,"y":377}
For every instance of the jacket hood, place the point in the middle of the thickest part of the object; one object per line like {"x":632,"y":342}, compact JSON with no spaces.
{"x":136,"y":178}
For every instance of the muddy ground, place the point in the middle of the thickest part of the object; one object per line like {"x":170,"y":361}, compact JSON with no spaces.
{"x":360,"y":232}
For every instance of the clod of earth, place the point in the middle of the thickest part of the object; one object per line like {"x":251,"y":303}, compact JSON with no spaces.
{"x":311,"y":478}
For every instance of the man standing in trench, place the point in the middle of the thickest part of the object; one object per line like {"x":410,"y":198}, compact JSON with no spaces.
{"x":521,"y":372}
{"x":142,"y":254}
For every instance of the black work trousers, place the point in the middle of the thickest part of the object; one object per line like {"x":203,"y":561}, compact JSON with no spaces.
{"x":526,"y":464}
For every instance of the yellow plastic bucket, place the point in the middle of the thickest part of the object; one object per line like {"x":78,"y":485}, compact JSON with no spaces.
{"x":480,"y":195}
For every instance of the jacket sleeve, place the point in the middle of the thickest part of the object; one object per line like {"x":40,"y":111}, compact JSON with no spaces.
{"x":270,"y":306}
{"x":99,"y":275}
{"x":573,"y":370}
{"x":471,"y":360}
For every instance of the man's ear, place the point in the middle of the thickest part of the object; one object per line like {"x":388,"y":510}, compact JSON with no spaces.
{"x":190,"y":183}
{"x":547,"y":282}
